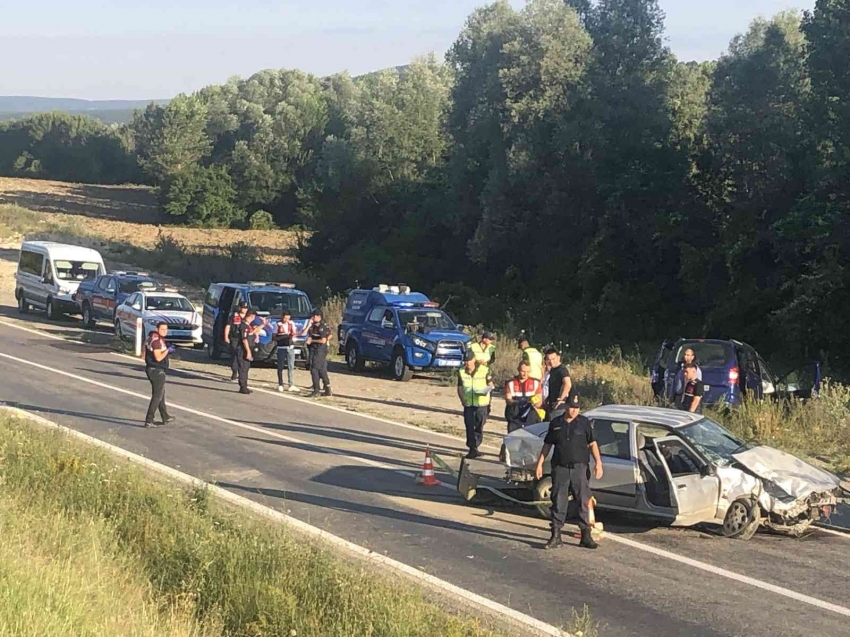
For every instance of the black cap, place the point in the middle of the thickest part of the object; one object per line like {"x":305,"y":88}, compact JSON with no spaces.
{"x":468,"y":355}
{"x":572,"y":402}
{"x":317,"y":312}
{"x":488,"y":335}
{"x":243,"y":305}
{"x":252,"y":310}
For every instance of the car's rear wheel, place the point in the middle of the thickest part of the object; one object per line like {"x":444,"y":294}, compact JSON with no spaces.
{"x":401,"y":372}
{"x":88,"y":319}
{"x":543,"y":495}
{"x":352,"y":357}
{"x":742,"y":519}
{"x":23,"y":305}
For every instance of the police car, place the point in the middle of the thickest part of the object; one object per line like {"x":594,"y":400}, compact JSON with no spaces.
{"x":154,"y":306}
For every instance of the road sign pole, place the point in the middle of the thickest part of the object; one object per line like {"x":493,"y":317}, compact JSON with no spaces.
{"x":139,"y":333}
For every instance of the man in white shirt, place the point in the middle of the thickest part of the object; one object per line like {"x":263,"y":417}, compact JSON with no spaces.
{"x":285,"y":336}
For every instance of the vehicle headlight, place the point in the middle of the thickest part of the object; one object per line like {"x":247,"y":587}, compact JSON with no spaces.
{"x":423,"y":344}
{"x":152,"y":322}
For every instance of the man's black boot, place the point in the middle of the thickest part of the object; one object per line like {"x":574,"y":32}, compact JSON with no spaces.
{"x":328,"y":391}
{"x":555,"y":541}
{"x":587,"y":540}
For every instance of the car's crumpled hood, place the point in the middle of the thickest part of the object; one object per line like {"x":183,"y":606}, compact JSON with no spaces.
{"x":794,"y":476}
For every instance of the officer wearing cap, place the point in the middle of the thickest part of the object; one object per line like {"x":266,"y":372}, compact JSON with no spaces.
{"x":571,"y":434}
{"x":484,"y":349}
{"x":233,"y":344}
{"x":318,"y":336}
{"x":474,"y":385}
{"x":244,"y":343}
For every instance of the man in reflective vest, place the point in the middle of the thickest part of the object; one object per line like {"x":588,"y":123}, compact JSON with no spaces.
{"x":524,"y":396}
{"x":532,"y":356}
{"x":484,"y":349}
{"x":474,"y":385}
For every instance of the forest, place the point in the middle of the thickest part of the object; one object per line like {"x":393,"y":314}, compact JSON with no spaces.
{"x":559,"y":170}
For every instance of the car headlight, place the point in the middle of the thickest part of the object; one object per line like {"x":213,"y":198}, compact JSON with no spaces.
{"x":423,"y":344}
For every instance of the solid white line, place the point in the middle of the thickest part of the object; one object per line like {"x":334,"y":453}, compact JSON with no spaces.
{"x":265,"y":391}
{"x":744,"y":579}
{"x":446,"y":588}
{"x":833,"y":530}
{"x":722,"y":572}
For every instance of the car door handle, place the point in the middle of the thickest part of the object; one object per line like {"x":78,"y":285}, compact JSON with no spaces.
{"x":683,"y":486}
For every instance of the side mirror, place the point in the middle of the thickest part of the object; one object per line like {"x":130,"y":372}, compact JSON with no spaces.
{"x":707,"y":470}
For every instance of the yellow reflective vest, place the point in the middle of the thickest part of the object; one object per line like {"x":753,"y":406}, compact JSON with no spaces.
{"x":534,"y":359}
{"x":483,"y":355}
{"x":474,"y":386}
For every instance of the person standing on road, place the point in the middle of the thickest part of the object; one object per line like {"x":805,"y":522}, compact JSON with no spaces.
{"x":156,"y":364}
{"x":571,"y":434}
{"x":318,"y":336}
{"x":532,"y":356}
{"x":474,"y":386}
{"x":233,"y":344}
{"x":244,"y":339}
{"x":691,"y":398}
{"x":284,"y":336}
{"x":484,"y":349}
{"x":559,"y":380}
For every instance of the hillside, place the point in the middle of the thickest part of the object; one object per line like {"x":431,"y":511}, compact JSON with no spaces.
{"x":107,"y":111}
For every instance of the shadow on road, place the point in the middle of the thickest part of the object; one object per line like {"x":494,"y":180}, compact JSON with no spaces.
{"x":35,"y":409}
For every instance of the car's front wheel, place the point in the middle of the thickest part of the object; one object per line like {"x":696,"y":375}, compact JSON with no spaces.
{"x":742,"y":519}
{"x":119,"y":332}
{"x":543,"y":496}
{"x":401,"y":372}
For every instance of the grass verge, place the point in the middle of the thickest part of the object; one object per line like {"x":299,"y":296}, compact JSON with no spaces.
{"x":107,"y":550}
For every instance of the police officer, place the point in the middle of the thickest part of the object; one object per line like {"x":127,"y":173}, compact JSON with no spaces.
{"x":484,"y":349}
{"x":572,"y":436}
{"x":244,"y":342}
{"x":318,"y":336}
{"x":156,"y":365}
{"x":474,"y":385}
{"x":232,"y":344}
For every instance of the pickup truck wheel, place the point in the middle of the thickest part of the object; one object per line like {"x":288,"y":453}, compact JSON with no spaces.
{"x":543,"y":493}
{"x":88,"y":319}
{"x":23,"y":306}
{"x":118,"y":331}
{"x":401,"y":372}
{"x":50,"y":310}
{"x":352,"y":357}
{"x":742,"y":519}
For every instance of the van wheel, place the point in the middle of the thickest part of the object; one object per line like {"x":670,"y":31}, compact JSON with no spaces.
{"x":543,"y":493}
{"x":50,"y":310}
{"x":23,"y":306}
{"x":742,"y":519}
{"x":401,"y":372}
{"x":88,"y":320}
{"x":352,"y":357}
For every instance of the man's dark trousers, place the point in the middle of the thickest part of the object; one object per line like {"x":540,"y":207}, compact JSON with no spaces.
{"x":319,"y":367}
{"x":234,"y":362}
{"x":565,"y":480}
{"x":156,"y":376}
{"x":242,"y":367}
{"x":474,"y":419}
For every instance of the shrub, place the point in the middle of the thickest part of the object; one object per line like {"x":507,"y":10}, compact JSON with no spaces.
{"x":261,"y":220}
{"x":202,"y":196}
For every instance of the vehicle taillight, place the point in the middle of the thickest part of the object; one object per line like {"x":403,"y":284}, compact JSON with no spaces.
{"x":733,"y":376}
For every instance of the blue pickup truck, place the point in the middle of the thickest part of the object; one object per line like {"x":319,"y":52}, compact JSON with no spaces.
{"x":405,"y":330}
{"x":98,"y":298}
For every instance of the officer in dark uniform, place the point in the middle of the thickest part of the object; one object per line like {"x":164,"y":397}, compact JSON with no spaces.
{"x":229,"y":337}
{"x":244,"y":342}
{"x":572,"y":436}
{"x":318,"y":336}
{"x":156,"y":356}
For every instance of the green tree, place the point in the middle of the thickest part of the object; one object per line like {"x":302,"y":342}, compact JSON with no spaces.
{"x":202,"y":197}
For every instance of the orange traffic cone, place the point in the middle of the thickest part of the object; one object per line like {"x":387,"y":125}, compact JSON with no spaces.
{"x":426,"y":478}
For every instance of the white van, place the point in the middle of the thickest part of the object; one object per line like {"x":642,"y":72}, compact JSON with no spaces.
{"x":49,"y":274}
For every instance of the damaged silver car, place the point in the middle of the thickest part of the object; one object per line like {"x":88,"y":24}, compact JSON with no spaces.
{"x":679,"y":467}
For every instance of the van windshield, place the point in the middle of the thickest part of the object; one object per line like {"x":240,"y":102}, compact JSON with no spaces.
{"x":76,"y":270}
{"x":431,"y":319}
{"x":274,"y":302}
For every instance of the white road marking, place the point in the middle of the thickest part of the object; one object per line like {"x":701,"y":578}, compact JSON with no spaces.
{"x":743,"y":579}
{"x":446,"y":589}
{"x":260,"y":389}
{"x":833,"y":530}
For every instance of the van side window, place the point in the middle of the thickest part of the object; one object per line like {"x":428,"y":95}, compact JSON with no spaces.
{"x":48,"y":273}
{"x":30,"y":262}
{"x":612,"y":438}
{"x":212,"y":297}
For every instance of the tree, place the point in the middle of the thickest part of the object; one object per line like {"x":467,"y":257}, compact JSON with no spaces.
{"x":202,"y":197}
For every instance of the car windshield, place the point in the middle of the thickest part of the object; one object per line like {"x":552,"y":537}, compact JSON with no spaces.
{"x":168,"y":304}
{"x":76,"y":270}
{"x":431,"y":319}
{"x":712,"y":440}
{"x":128,"y":287}
{"x":274,"y":302}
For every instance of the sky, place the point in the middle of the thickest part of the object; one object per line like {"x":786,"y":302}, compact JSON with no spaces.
{"x":151,"y":49}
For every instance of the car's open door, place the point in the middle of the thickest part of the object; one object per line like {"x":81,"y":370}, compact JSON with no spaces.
{"x":694,"y":489}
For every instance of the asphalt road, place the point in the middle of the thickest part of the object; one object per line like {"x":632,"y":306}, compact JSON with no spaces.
{"x":353,"y":476}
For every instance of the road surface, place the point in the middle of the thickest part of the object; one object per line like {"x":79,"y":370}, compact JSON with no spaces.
{"x":353,"y":476}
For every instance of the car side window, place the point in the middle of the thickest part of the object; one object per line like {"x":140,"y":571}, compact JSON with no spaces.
{"x":132,"y":299}
{"x":110,"y":285}
{"x":375,"y":315}
{"x":103,"y":282}
{"x":613,"y":438}
{"x":680,"y":460}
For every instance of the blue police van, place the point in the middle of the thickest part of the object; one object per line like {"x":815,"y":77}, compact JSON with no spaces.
{"x":269,"y":299}
{"x":405,"y":330}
